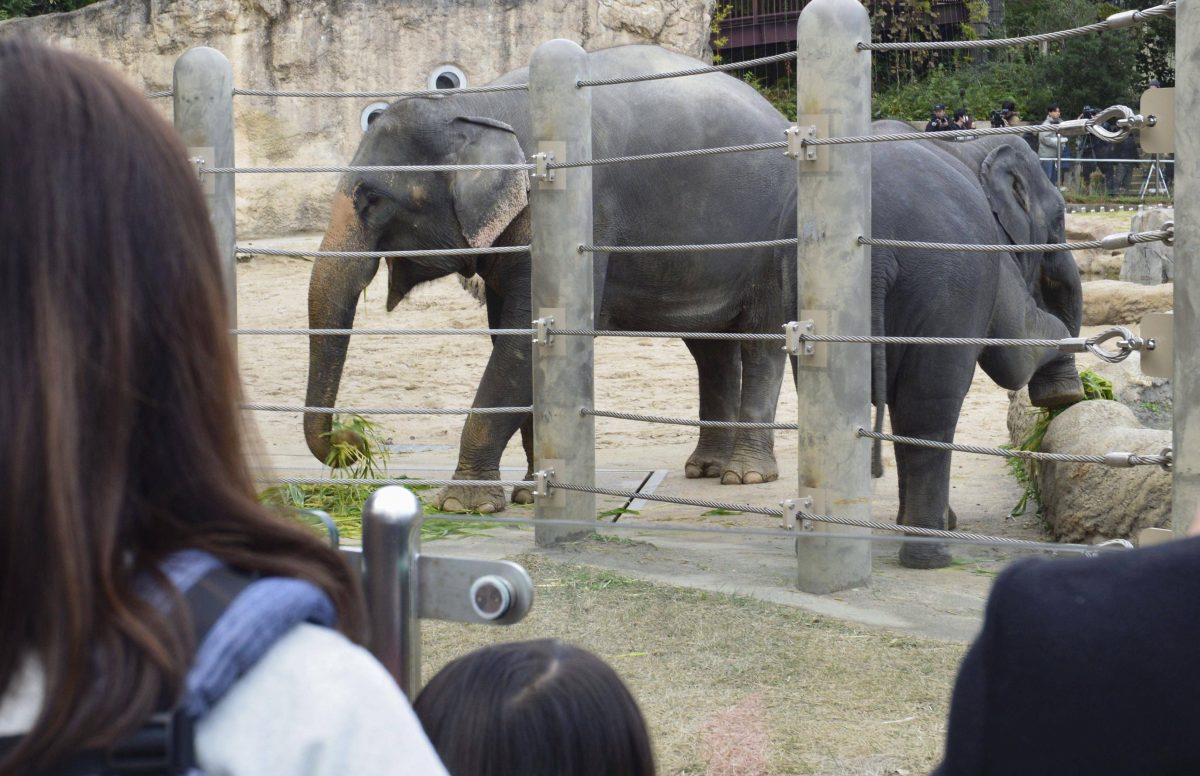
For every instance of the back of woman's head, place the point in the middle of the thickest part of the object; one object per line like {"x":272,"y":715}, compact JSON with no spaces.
{"x":119,"y":399}
{"x":535,"y":708}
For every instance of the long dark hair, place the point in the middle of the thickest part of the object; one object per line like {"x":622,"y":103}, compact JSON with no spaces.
{"x":119,"y":397}
{"x":537,"y":708}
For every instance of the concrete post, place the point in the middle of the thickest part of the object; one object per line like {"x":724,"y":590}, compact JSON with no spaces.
{"x":564,"y":440}
{"x":1185,"y":482}
{"x":203,"y":89}
{"x":391,"y":545}
{"x":833,"y":207}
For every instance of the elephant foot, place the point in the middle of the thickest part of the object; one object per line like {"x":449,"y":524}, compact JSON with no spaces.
{"x":923,"y":555}
{"x":744,"y":470}
{"x":697,"y":468}
{"x":522,"y":494}
{"x":1057,"y":388}
{"x":951,"y":519}
{"x":484,"y":500}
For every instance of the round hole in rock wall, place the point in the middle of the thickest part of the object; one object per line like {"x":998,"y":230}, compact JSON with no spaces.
{"x":370,"y":113}
{"x":447,"y":77}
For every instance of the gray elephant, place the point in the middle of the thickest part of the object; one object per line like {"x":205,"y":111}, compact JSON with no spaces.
{"x":643,"y":203}
{"x":987,"y":191}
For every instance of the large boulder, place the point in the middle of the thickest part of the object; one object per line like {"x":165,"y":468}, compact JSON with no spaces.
{"x":1149,"y":398}
{"x":1115,"y":301}
{"x":1150,"y":263}
{"x":1084,"y":502}
{"x":1096,"y":263}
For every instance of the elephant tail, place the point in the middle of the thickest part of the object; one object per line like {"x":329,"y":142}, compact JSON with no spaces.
{"x":883,"y":271}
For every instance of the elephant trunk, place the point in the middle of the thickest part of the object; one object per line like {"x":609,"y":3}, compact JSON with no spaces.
{"x":333,"y":293}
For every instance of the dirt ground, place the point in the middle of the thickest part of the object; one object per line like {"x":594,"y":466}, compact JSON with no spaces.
{"x":885,"y":671}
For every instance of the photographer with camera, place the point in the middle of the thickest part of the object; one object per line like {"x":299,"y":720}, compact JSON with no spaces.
{"x":938,"y":121}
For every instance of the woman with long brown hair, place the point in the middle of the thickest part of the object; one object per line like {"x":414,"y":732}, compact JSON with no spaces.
{"x":122,"y":470}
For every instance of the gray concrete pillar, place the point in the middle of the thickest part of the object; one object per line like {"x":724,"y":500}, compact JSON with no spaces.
{"x":564,"y":440}
{"x":1185,"y":486}
{"x":833,"y":208}
{"x":203,"y":90}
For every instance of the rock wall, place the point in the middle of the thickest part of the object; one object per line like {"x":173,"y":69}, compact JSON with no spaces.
{"x":343,"y":45}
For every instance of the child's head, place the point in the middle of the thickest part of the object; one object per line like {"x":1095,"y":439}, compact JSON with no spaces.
{"x":535,"y":708}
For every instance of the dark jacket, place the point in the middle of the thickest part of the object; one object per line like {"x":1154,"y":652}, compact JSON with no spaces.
{"x":939,"y":125}
{"x":1084,"y":666}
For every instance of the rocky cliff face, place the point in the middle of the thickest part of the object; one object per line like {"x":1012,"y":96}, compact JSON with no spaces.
{"x":343,"y":45}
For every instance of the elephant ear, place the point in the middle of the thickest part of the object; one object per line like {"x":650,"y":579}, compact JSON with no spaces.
{"x":486,"y":201}
{"x":1009,"y":186}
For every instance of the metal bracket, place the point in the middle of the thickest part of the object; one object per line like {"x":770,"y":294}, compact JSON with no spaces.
{"x":548,"y":344}
{"x":794,"y":342}
{"x":472,"y":590}
{"x":814,"y":501}
{"x":548,"y":152}
{"x":543,"y":489}
{"x":1159,"y":137}
{"x":813,"y":354}
{"x":1158,"y":328}
{"x":197,"y":157}
{"x":809,"y":127}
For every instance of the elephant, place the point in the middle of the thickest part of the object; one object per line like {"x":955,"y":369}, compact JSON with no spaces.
{"x":644,"y":203}
{"x":985,"y":191}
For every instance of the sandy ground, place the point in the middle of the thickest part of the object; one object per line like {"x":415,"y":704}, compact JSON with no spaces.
{"x":632,"y":375}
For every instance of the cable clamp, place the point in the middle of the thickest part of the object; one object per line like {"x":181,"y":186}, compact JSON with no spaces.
{"x":795,"y":338}
{"x":542,"y":334}
{"x":543,"y":483}
{"x":796,"y":146}
{"x":1168,"y":458}
{"x":541,"y":169}
{"x":794,"y":510}
{"x":1119,"y":460}
{"x":1169,"y":238}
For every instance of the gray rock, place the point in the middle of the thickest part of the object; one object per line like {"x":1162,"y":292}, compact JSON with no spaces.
{"x":1150,"y":398}
{"x":1089,"y":502}
{"x":1114,"y":301}
{"x":1149,"y":263}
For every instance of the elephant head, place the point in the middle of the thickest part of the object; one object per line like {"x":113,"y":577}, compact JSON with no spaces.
{"x":378,"y":211}
{"x":1030,"y":211}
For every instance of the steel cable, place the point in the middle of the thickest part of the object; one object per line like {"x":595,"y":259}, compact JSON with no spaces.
{"x":249,"y":250}
{"x":1111,"y":242}
{"x":755,"y":425}
{"x":375,"y":168}
{"x":782,"y":144}
{"x":371,"y":95}
{"x":386,"y":481}
{"x":388,"y":411}
{"x":1115,"y":22}
{"x":382,"y":332}
{"x":710,"y":335}
{"x":789,"y":55}
{"x":1115,"y":459}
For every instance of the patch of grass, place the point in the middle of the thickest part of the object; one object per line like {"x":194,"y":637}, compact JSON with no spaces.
{"x":358,"y":452}
{"x":719,"y":513}
{"x":834,"y":695}
{"x":1025,"y":471}
{"x":616,"y":512}
{"x":621,"y":541}
{"x":1151,"y":406}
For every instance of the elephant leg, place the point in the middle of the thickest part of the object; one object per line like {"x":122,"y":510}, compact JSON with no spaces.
{"x":719,"y":366}
{"x":753,"y":459}
{"x":1052,"y":377}
{"x":523,"y":494}
{"x":506,"y":382}
{"x":928,"y":397}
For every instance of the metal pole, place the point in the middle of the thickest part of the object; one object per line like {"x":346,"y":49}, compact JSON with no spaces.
{"x":391,"y":544}
{"x":203,"y":88}
{"x":564,"y":439}
{"x":833,"y":207}
{"x":1185,"y":481}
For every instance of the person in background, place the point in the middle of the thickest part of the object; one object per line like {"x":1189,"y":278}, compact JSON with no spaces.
{"x":534,"y":708}
{"x":1052,"y":147}
{"x":124,"y":487}
{"x":938,"y":121}
{"x":963,"y":120}
{"x":1083,"y":666}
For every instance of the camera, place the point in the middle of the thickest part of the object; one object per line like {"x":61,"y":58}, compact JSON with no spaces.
{"x":1089,"y":112}
{"x":997,"y":118}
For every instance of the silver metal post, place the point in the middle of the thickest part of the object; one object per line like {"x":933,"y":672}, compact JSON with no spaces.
{"x":203,"y":87}
{"x":564,"y":440}
{"x":1185,"y":482}
{"x":834,"y":274}
{"x":391,"y":548}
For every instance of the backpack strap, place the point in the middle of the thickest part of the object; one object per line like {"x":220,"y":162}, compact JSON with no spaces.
{"x":164,"y":745}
